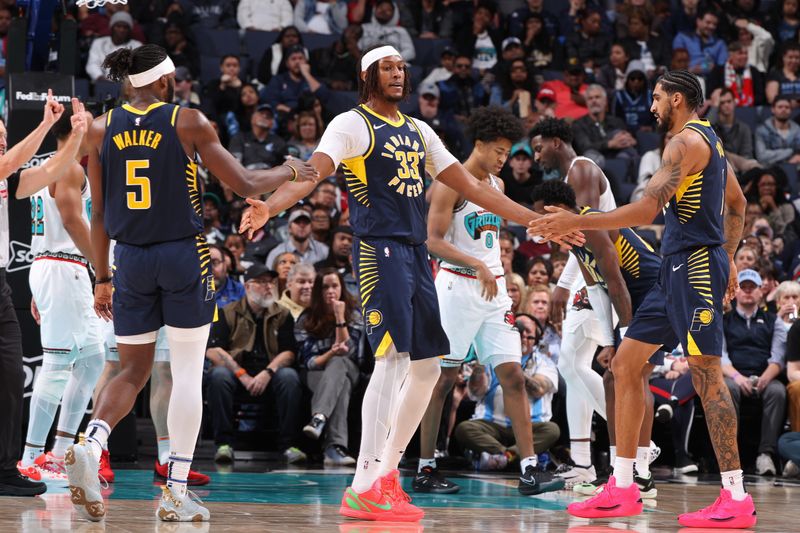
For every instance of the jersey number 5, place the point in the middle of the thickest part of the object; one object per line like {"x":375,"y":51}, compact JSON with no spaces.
{"x":137,"y":199}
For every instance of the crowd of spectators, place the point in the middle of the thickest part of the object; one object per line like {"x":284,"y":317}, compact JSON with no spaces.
{"x":292,"y":66}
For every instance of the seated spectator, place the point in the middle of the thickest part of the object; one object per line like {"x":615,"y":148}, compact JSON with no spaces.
{"x":736,"y":136}
{"x":309,"y":132}
{"x":540,"y":270}
{"x":680,"y":61}
{"x":518,"y":176}
{"x":120,"y":25}
{"x":272,"y":62}
{"x":538,"y":306}
{"x":326,"y":195}
{"x":264,"y":15}
{"x":320,"y":16}
{"x":235,"y":243}
{"x":745,"y":258}
{"x":511,"y":256}
{"x":519,"y":19}
{"x":300,"y":241}
{"x":769,"y":191}
{"x":214,"y":229}
{"x":382,"y":31}
{"x":282,"y":265}
{"x":337,"y":64}
{"x":632,"y":103}
{"x":758,"y":42}
{"x":515,"y":286}
{"x":744,"y":80}
{"x":600,"y":135}
{"x":683,"y":19}
{"x":784,"y":79}
{"x":614,"y":74}
{"x":489,"y":432}
{"x":182,"y":51}
{"x":259,"y":148}
{"x":248,"y":103}
{"x":537,"y":42}
{"x":789,"y":448}
{"x":320,"y":224}
{"x":793,"y":374}
{"x":559,"y":261}
{"x":784,"y":26}
{"x":443,"y":122}
{"x":252,"y":350}
{"x":642,"y":44}
{"x":339,"y":258}
{"x":227,"y":289}
{"x":674,"y":395}
{"x":221,"y":96}
{"x":569,"y":93}
{"x":445,"y":68}
{"x":751,"y":361}
{"x":297,"y":296}
{"x":432,"y":19}
{"x":284,"y":89}
{"x":706,"y":50}
{"x":212,"y":14}
{"x":462,"y":93}
{"x":481,"y":42}
{"x":648,"y":165}
{"x":328,"y":338}
{"x":184,"y":93}
{"x":590,"y":46}
{"x":96,"y":23}
{"x":514,"y":89}
{"x":778,"y":137}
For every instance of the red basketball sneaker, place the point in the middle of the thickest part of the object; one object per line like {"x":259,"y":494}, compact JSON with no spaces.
{"x":723,"y":513}
{"x":611,"y":502}
{"x":390,"y":485}
{"x":195,"y":478}
{"x":105,"y":472}
{"x":372,"y":504}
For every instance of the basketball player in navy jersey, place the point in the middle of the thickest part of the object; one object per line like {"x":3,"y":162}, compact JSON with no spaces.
{"x":145,"y":196}
{"x":704,"y":214}
{"x":385,"y":155}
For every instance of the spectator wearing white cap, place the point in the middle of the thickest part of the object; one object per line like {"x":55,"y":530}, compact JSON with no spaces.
{"x":442,"y":121}
{"x":300,"y":242}
{"x":121,"y":24}
{"x":753,"y":356}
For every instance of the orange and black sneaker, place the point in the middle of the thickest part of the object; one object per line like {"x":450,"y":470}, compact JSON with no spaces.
{"x":404,"y":510}
{"x":372,"y":504}
{"x":105,"y":472}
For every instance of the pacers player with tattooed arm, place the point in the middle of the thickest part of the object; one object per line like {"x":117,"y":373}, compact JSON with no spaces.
{"x":385,"y":155}
{"x":704,"y":214}
{"x":143,"y":174}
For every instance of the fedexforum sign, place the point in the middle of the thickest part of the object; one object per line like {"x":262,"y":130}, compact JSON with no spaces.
{"x":32,"y":96}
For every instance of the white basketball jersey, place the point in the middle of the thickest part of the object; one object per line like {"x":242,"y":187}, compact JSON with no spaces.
{"x":475,"y":232}
{"x":606,"y":202}
{"x":48,"y":235}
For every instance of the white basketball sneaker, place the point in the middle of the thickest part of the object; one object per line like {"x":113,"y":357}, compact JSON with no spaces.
{"x":574,"y":474}
{"x":173,"y":508}
{"x":84,"y":484}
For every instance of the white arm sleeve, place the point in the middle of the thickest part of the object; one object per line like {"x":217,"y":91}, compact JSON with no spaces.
{"x":346,"y":136}
{"x":571,"y":272}
{"x":601,"y":304}
{"x":438,"y":157}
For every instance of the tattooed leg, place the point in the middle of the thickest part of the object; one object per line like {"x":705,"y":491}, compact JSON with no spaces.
{"x":720,"y":414}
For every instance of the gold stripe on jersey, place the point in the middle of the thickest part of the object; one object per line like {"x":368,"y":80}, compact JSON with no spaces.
{"x":174,"y":114}
{"x":355,"y":169}
{"x":687,"y":197}
{"x":367,"y":271}
{"x":191,"y":184}
{"x":628,"y":256}
{"x":395,"y":123}
{"x":108,"y":118}
{"x":385,"y":344}
{"x":128,"y":107}
{"x":204,"y":254}
{"x":699,"y":273}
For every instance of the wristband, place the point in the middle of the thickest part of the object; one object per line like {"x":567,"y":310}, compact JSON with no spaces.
{"x":294,"y":172}
{"x":101,"y":281}
{"x":270,"y":372}
{"x":341,"y":324}
{"x":239,"y":373}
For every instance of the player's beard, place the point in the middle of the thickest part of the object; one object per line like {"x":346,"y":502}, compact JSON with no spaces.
{"x":170,"y":90}
{"x":665,"y":124}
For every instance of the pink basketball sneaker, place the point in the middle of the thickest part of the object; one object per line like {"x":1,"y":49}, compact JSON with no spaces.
{"x":723,"y":513}
{"x":611,"y":502}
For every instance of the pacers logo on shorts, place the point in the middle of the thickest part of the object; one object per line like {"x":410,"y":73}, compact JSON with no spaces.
{"x":373,"y":320}
{"x":703,"y":316}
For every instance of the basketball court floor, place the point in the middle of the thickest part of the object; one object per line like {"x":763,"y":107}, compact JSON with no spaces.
{"x":299,"y":501}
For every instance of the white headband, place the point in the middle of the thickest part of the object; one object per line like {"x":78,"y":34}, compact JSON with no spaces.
{"x":376,"y":55}
{"x":149,"y":76}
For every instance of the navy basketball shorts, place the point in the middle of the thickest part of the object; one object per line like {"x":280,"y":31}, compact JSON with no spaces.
{"x":657,"y":359}
{"x":685,"y":305}
{"x":398,"y":298}
{"x":168,"y":283}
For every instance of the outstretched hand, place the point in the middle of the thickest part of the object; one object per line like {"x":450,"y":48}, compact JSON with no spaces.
{"x":254,"y":217}
{"x":79,"y":120}
{"x":52,"y":109}
{"x":559,"y":226}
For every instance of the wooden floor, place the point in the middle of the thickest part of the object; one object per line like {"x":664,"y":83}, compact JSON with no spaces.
{"x":305,"y":501}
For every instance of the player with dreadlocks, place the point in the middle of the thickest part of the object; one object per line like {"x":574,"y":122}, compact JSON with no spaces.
{"x":704,"y":214}
{"x":385,"y":155}
{"x":474,"y":304}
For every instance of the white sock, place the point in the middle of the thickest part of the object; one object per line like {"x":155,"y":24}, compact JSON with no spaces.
{"x":163,"y":449}
{"x":623,"y":472}
{"x":377,"y":413}
{"x":612,"y":452}
{"x":61,"y":445}
{"x":581,"y":452}
{"x":178,"y":466}
{"x":187,"y":348}
{"x":528,"y":461}
{"x":30,"y":453}
{"x":426,"y":462}
{"x":415,"y":395}
{"x":97,"y":433}
{"x":733,"y":481}
{"x":643,"y":461}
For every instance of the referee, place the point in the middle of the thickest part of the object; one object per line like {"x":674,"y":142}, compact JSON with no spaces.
{"x":11,"y":375}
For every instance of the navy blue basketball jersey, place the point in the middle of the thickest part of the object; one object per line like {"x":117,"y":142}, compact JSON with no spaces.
{"x":385,"y":184}
{"x":693,"y":216}
{"x":639,"y":263}
{"x":149,"y":183}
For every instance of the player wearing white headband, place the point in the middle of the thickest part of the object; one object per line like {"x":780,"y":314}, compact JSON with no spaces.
{"x":143,"y":174}
{"x":385,"y":155}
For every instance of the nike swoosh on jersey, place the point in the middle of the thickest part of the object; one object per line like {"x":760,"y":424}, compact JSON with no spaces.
{"x":377,"y":127}
{"x":675,"y":269}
